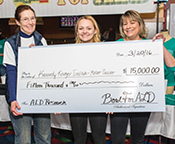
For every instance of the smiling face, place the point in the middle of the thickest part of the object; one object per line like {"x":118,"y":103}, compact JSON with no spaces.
{"x":27,"y":22}
{"x":131,"y":28}
{"x":86,"y":31}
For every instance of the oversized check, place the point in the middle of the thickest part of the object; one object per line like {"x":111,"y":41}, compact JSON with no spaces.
{"x":96,"y":77}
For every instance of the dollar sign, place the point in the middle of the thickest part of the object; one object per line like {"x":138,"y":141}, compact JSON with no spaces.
{"x":125,"y":70}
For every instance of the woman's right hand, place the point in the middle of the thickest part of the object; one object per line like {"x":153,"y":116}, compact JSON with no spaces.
{"x":15,"y":105}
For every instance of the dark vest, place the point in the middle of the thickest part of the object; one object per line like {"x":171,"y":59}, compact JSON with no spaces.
{"x":15,"y":43}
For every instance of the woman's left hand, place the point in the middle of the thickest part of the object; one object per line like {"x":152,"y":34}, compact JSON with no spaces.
{"x":57,"y":113}
{"x":159,"y":36}
{"x":109,"y":112}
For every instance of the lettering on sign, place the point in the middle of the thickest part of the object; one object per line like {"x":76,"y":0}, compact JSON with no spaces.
{"x":73,"y":2}
{"x":124,"y":77}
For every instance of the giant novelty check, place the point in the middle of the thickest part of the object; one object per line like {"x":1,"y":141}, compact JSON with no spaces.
{"x":96,"y":77}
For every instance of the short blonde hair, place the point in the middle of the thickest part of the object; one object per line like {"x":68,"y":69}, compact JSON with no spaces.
{"x":96,"y":37}
{"x":133,"y":15}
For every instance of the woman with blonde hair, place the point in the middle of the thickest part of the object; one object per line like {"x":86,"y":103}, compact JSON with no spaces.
{"x":96,"y":36}
{"x":132,"y":27}
{"x":87,"y":31}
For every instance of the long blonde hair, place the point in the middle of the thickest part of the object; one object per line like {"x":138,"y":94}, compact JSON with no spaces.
{"x":96,"y":37}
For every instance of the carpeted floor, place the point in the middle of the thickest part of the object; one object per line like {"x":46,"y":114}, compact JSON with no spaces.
{"x":65,"y":137}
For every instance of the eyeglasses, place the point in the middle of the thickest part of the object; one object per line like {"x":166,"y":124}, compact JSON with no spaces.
{"x":26,"y":20}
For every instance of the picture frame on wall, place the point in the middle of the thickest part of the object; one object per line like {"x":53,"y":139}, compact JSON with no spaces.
{"x":68,"y":22}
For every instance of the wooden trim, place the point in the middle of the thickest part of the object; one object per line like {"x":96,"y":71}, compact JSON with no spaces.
{"x":162,"y":19}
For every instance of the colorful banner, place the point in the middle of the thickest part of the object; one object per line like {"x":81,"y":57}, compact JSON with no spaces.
{"x":76,"y":7}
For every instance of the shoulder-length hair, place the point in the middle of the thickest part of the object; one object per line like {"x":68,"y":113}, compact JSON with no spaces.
{"x":133,"y":15}
{"x":96,"y":37}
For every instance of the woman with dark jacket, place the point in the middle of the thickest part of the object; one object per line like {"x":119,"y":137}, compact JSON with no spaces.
{"x":26,"y":37}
